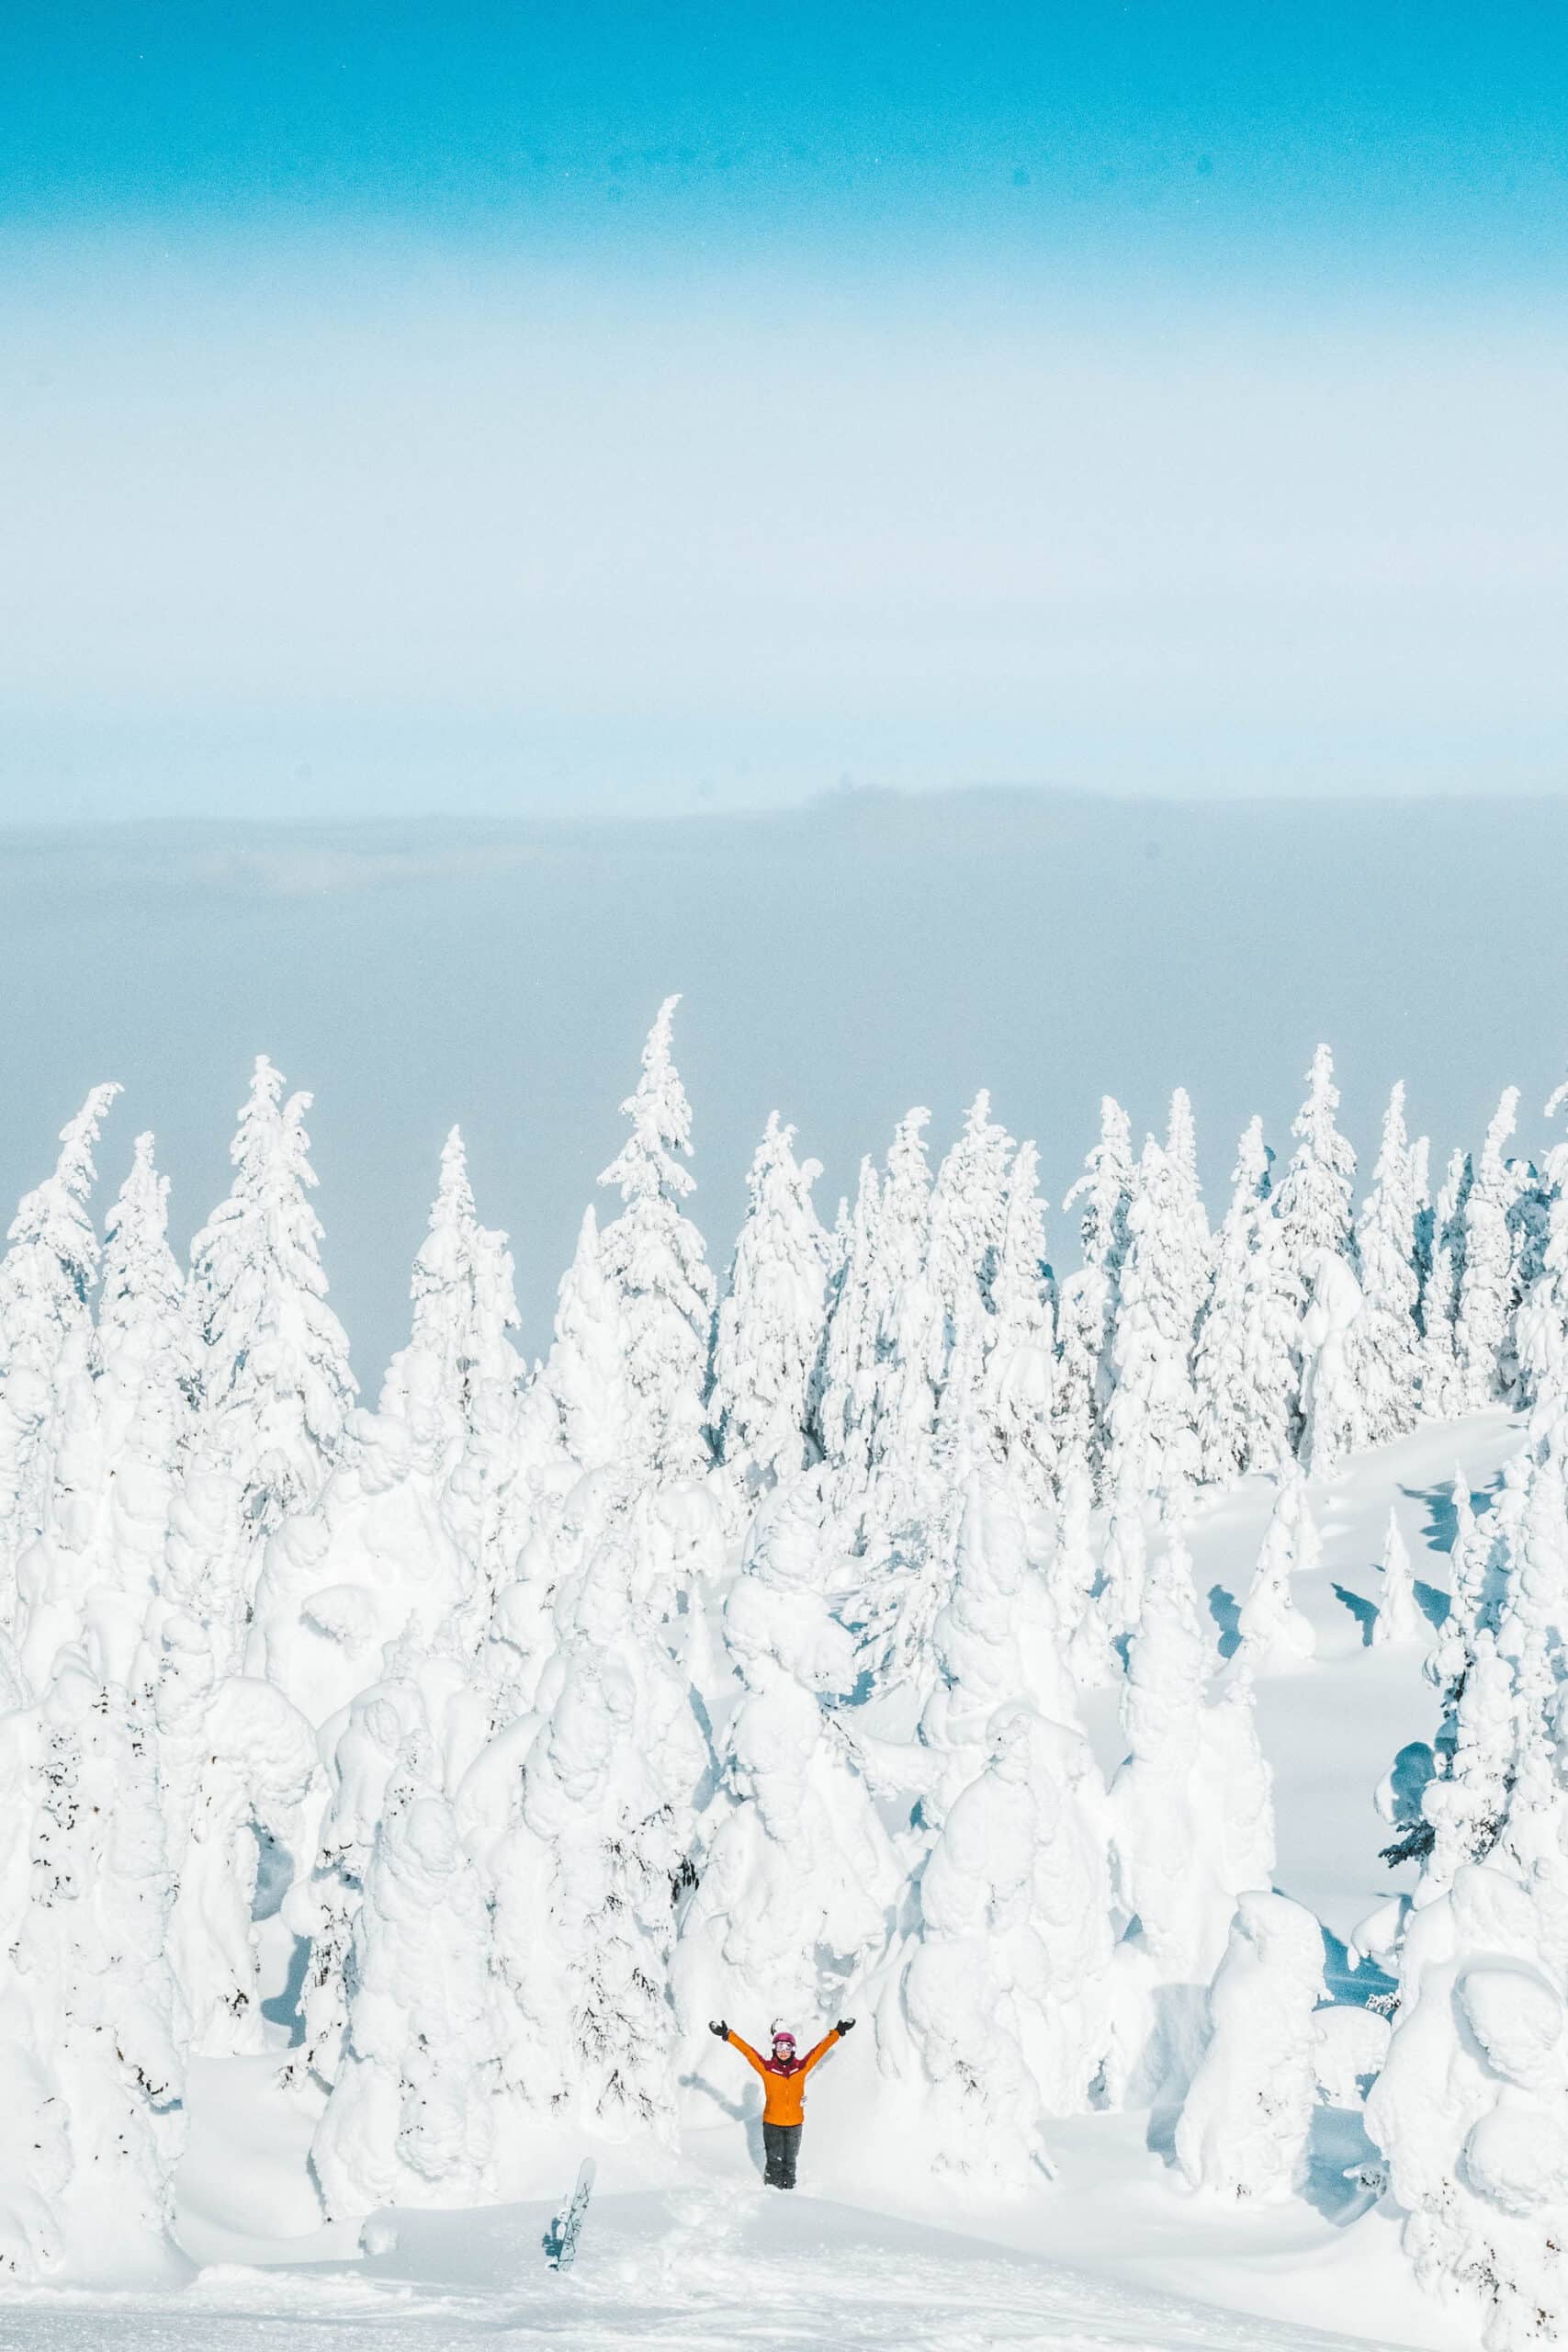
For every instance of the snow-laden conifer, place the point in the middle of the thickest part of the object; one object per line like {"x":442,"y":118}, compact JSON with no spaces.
{"x":1246,"y":2120}
{"x":1483,"y":1324}
{"x":1384,"y":1344}
{"x":456,"y":1387}
{"x":239,"y":1769}
{"x":1400,"y":1616}
{"x":769,"y":1326}
{"x":1245,"y":1374}
{"x":1442,"y":1384}
{"x":844,"y":1385}
{"x":1467,"y":2109}
{"x":1275,"y":1634}
{"x":909,"y":1323}
{"x":92,"y":2028}
{"x":1020,"y":1369}
{"x":1005,"y":1993}
{"x":276,"y":1388}
{"x":1333,"y":1421}
{"x":1152,"y":1416}
{"x":583,"y":1877}
{"x":1315,"y":1192}
{"x":655,"y":1265}
{"x":799,"y":1880}
{"x":413,"y":2117}
{"x":1543,"y":1315}
{"x":585,"y":1372}
{"x":47,"y":1277}
{"x":1192,"y":1811}
{"x":996,"y":1640}
{"x":1105,"y":1190}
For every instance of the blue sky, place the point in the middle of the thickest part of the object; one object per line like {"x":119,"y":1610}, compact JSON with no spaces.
{"x":504,"y":409}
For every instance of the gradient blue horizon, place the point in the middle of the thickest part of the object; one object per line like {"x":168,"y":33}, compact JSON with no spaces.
{"x":495,"y":409}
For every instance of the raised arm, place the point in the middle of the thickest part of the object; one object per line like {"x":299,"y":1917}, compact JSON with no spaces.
{"x":747,"y":2052}
{"x":821,"y":2050}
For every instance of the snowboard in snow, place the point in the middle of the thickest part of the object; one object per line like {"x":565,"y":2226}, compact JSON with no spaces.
{"x":564,"y":2233}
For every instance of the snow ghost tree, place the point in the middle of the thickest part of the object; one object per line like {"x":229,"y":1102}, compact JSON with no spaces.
{"x":1247,"y":2118}
{"x":1543,"y":1316}
{"x":1484,"y":1333}
{"x":1091,"y":1298}
{"x":1400,"y":1617}
{"x":46,"y":1279}
{"x":412,"y":2120}
{"x":1442,"y":1384}
{"x":1153,"y":1415}
{"x":770,"y":1325}
{"x":1467,"y":2108}
{"x":1021,"y":1371}
{"x":797,"y":1880}
{"x":1005,"y":1993}
{"x":1384,"y":1343}
{"x":1244,"y":1369}
{"x":586,"y":1374}
{"x":1275,"y":1635}
{"x":274,"y":1387}
{"x":1186,"y":1842}
{"x":997,"y":1640}
{"x":1332,"y":1420}
{"x":1315,"y":1198}
{"x":92,"y":2028}
{"x":844,"y":1385}
{"x":653,"y":1263}
{"x":600,"y":1841}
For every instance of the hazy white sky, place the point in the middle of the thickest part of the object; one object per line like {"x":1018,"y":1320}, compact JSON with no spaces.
{"x":317,"y":527}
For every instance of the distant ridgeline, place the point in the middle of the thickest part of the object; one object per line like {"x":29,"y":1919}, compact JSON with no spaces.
{"x":730,"y":1662}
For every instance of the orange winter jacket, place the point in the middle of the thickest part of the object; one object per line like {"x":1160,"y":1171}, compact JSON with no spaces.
{"x":784,"y":2095}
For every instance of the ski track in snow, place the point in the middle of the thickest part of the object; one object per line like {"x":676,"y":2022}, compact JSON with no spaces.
{"x":676,"y":2271}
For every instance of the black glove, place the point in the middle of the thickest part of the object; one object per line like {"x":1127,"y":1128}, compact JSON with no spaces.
{"x":844,"y":2025}
{"x":718,"y":2026}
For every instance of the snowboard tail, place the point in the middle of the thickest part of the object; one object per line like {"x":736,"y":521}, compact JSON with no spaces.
{"x":561,"y":2244}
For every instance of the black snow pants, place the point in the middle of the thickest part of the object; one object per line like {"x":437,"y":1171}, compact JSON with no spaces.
{"x":781,"y":2144}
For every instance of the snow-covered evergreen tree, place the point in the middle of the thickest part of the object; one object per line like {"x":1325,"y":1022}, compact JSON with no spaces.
{"x":1315,"y":1196}
{"x":1153,"y":1414}
{"x":1090,"y":1298}
{"x":798,"y":1880}
{"x":1020,"y":1368}
{"x":275,"y":1387}
{"x":1333,"y":1419}
{"x":411,"y":2118}
{"x":92,"y":2028}
{"x":1275,"y":1635}
{"x":1543,"y":1316}
{"x":1400,"y":1617}
{"x":996,"y":1640}
{"x":654,"y":1263}
{"x":1192,"y":1811}
{"x":1443,"y":1386}
{"x":1384,"y":1343}
{"x":845,"y":1377}
{"x":1245,"y":1374}
{"x":771,"y":1325}
{"x":583,"y":1874}
{"x":1247,"y":2120}
{"x":47,"y":1277}
{"x":586,"y":1374}
{"x":1487,"y":1300}
{"x":1467,"y":2109}
{"x":1005,"y":1993}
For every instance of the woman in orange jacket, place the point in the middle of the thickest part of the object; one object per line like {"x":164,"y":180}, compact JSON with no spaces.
{"x":783,"y":2092}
